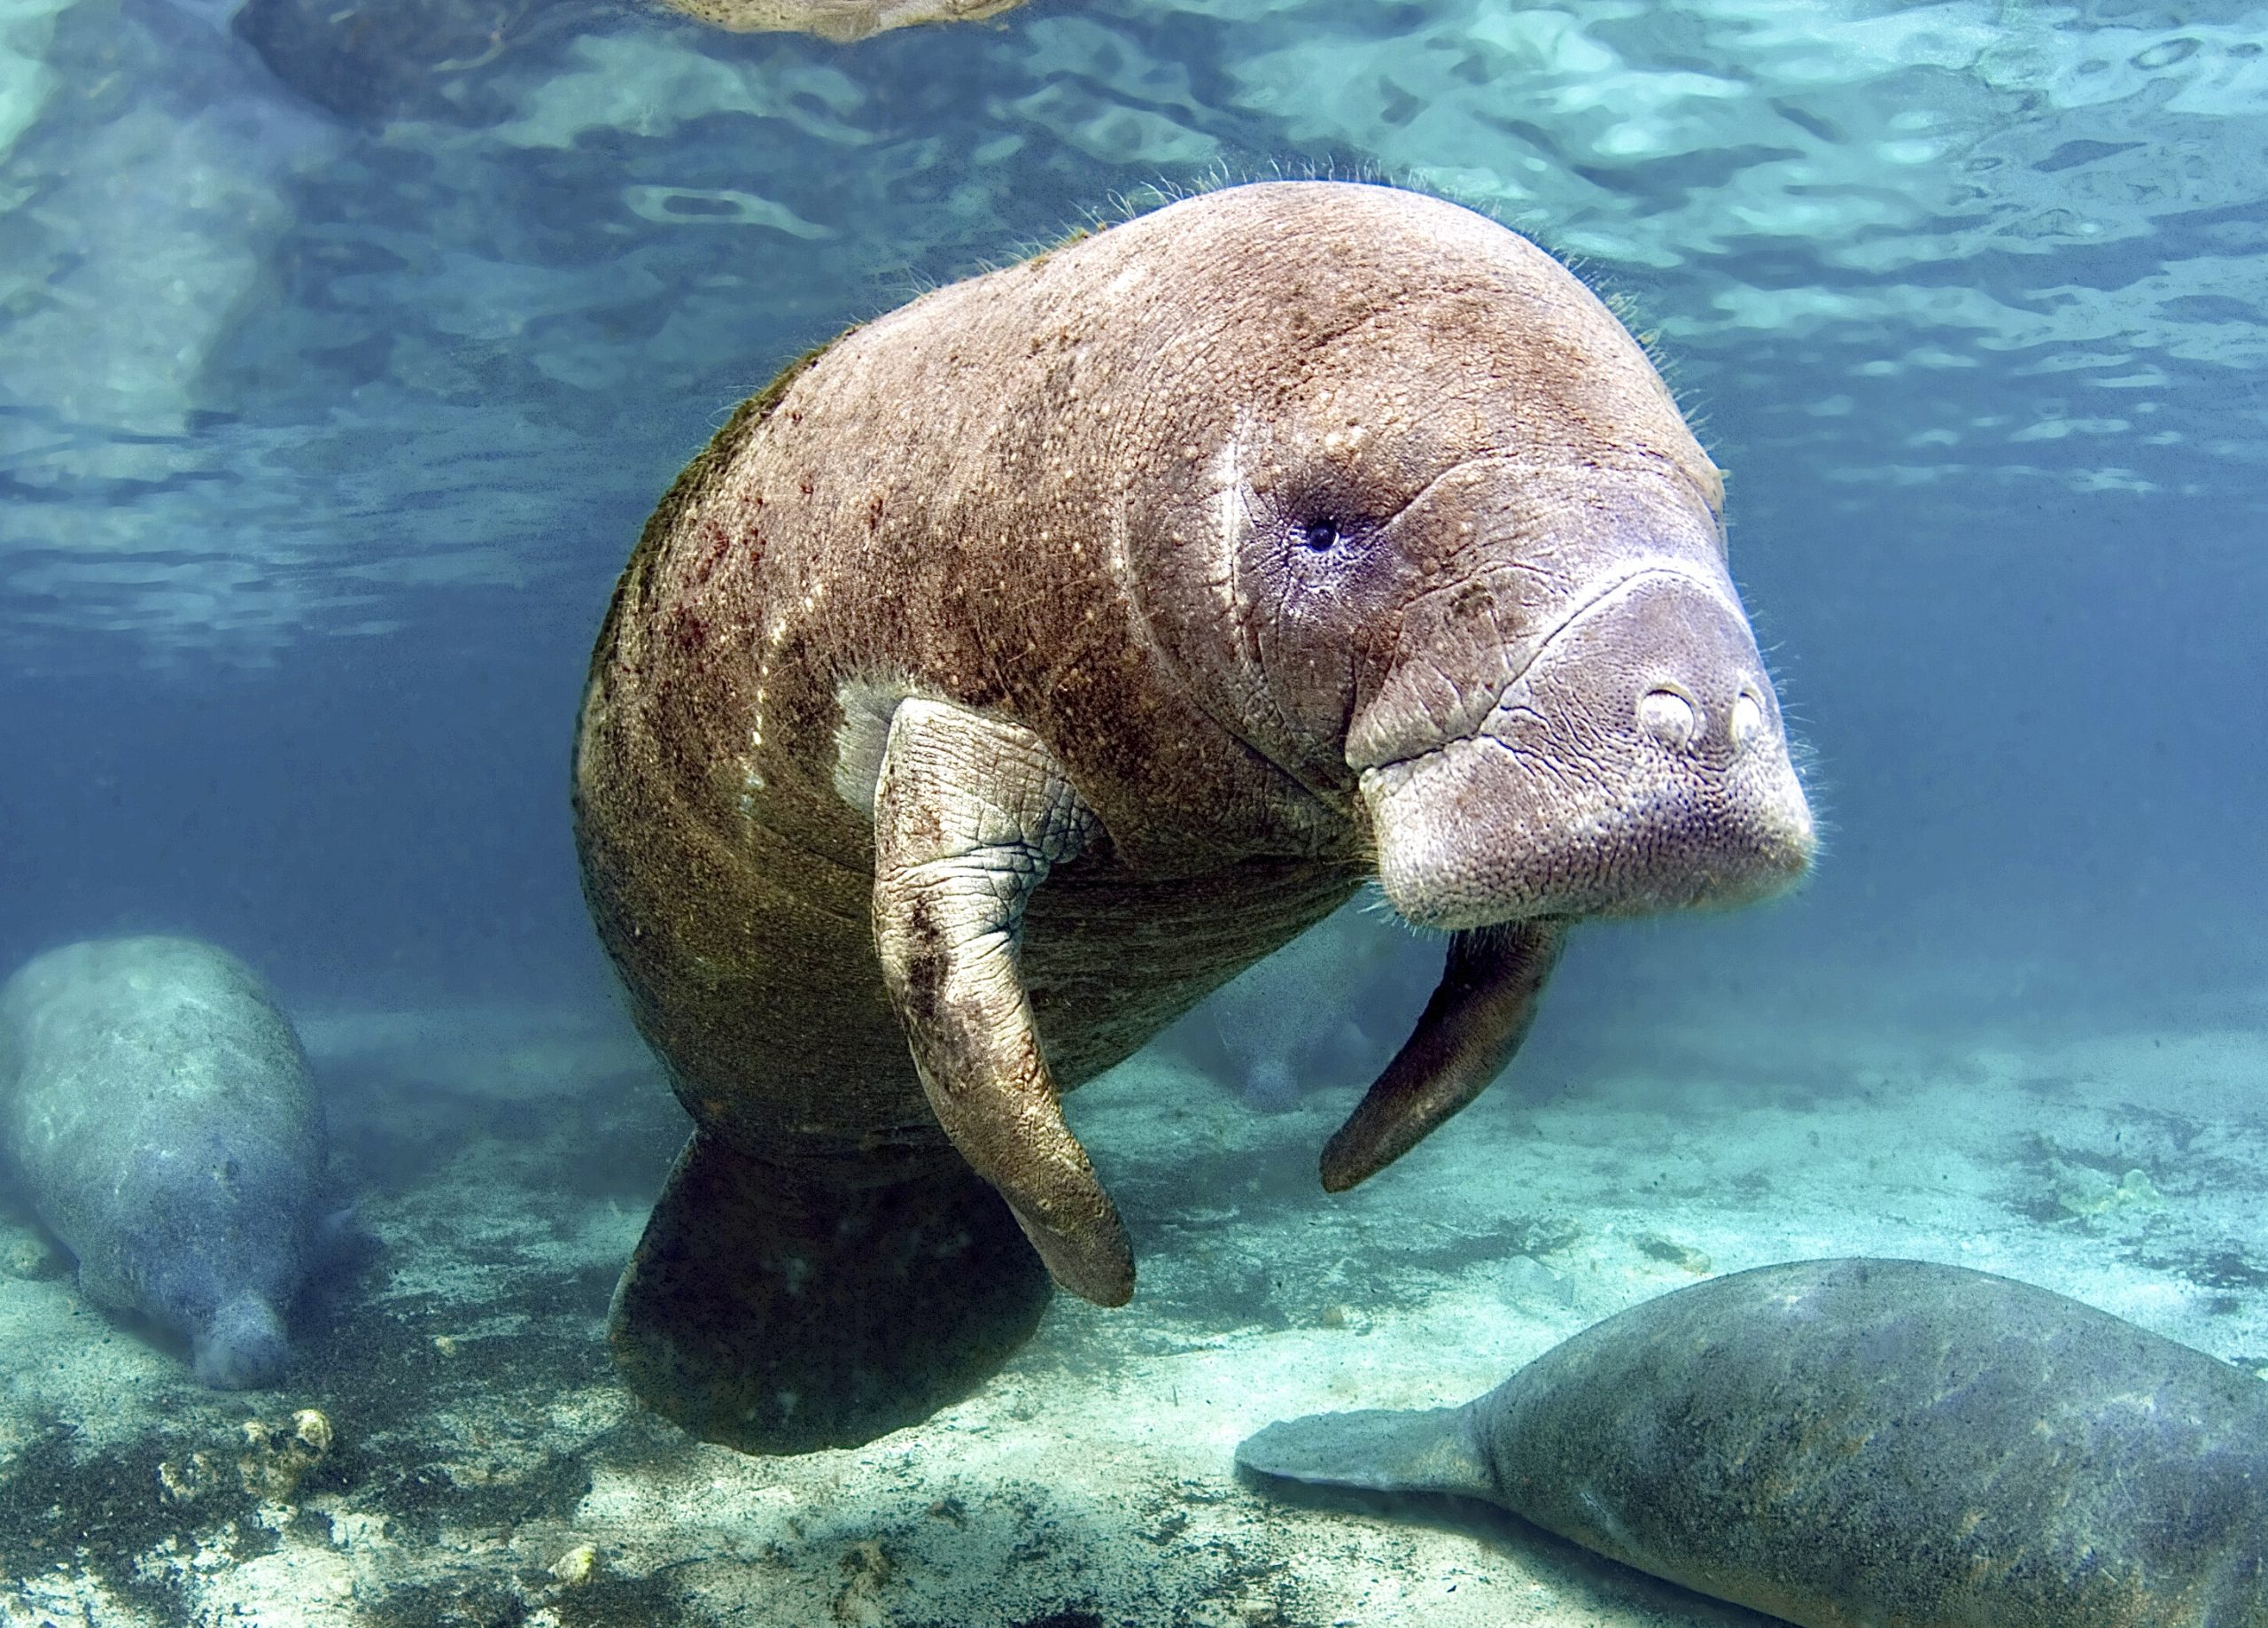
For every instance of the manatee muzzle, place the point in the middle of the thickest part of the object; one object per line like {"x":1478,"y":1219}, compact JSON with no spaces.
{"x":1635,"y":761}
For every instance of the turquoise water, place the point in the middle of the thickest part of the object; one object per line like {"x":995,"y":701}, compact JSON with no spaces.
{"x":344,"y":350}
{"x":319,"y":429}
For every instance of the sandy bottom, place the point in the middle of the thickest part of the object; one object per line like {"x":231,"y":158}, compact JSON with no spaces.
{"x":484,"y":1468}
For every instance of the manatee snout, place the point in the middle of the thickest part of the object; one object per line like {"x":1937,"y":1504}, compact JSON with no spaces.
{"x":1634,"y":760}
{"x":1580,"y":724}
{"x":244,"y":1347}
{"x":226,"y":1238}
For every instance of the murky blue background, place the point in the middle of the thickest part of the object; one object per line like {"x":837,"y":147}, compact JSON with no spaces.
{"x":336,"y":381}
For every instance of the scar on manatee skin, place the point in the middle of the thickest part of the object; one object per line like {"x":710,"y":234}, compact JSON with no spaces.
{"x":926,"y":968}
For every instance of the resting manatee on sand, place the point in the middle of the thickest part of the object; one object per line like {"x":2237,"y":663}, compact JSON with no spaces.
{"x":1008,"y":676}
{"x":157,"y":1111}
{"x":1863,"y":1443}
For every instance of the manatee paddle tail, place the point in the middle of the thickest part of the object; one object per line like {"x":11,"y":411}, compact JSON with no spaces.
{"x":1379,"y":1450}
{"x":777,"y":1314}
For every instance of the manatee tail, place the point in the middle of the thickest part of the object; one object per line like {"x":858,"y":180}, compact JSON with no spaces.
{"x":1381,"y":1450}
{"x":775,"y":1315}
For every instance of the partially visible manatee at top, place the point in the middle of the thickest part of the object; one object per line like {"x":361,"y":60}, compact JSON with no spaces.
{"x":1863,"y":1443}
{"x":1008,"y":676}
{"x":841,"y":20}
{"x":159,"y":1113}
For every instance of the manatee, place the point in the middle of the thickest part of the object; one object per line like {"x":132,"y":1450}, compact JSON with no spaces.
{"x":1012,"y":671}
{"x":1863,"y":1443}
{"x":1264,"y":1035}
{"x":159,"y":1115}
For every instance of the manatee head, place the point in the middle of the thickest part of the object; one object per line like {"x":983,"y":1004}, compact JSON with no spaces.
{"x":243,"y":1346}
{"x":223,"y":1243}
{"x":1600,"y":742}
{"x":1453,"y":560}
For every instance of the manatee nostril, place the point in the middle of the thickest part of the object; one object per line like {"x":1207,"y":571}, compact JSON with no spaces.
{"x":1747,"y":719}
{"x":1668,"y":717}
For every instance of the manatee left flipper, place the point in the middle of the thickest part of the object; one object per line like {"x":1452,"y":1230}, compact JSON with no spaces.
{"x":1378,"y":1449}
{"x":970,"y":814}
{"x":1479,"y":1014}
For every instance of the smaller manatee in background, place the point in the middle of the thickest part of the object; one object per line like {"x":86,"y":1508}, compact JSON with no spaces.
{"x":1848,"y":1443}
{"x":159,"y":1115}
{"x":1325,"y":1012}
{"x":840,"y":20}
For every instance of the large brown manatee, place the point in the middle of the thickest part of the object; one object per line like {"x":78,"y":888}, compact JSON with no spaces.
{"x":1008,"y":674}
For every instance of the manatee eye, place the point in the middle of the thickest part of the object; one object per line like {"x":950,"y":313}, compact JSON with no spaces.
{"x":1320,"y":536}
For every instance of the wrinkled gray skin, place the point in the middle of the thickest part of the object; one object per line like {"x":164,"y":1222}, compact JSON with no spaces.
{"x":1009,"y":675}
{"x":1863,"y":1443}
{"x":157,"y":1110}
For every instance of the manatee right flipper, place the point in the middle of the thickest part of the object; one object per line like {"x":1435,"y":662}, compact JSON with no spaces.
{"x":775,"y":1314}
{"x":1482,"y":1008}
{"x":1380,"y":1450}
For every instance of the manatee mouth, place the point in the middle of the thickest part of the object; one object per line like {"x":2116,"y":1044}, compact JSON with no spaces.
{"x":1633,"y":762}
{"x":1477,"y":835}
